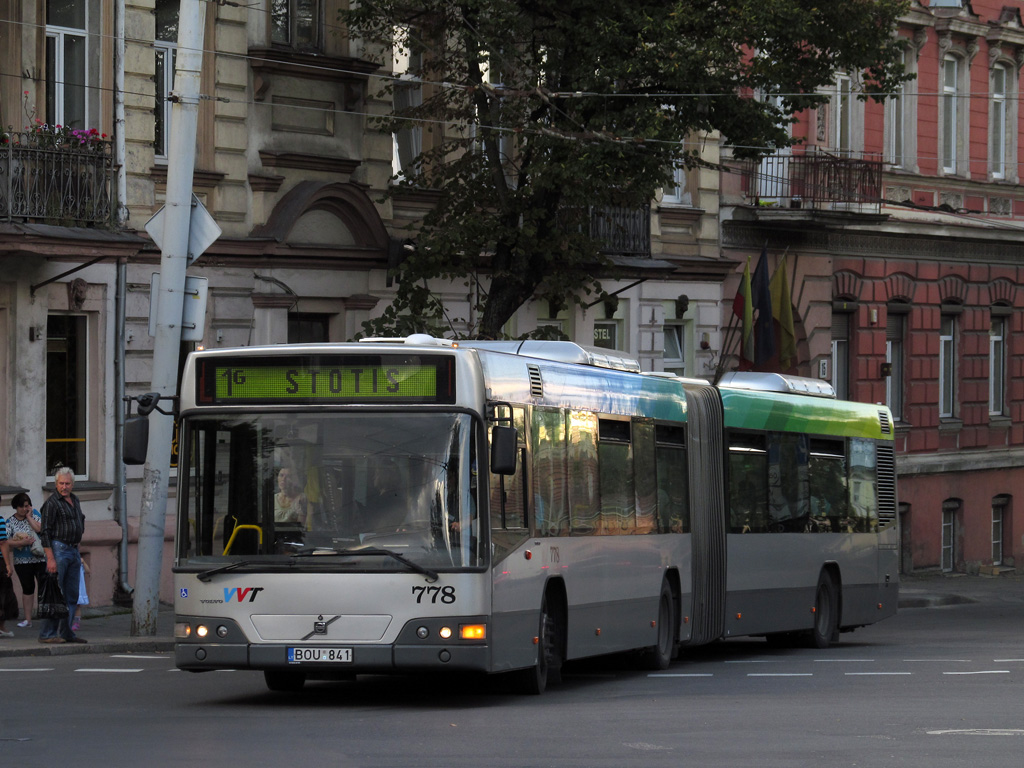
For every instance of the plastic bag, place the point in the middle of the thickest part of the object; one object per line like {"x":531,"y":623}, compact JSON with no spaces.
{"x":52,"y":604}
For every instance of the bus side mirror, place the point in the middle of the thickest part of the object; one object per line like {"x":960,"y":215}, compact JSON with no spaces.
{"x":136,"y":440}
{"x":504,"y":449}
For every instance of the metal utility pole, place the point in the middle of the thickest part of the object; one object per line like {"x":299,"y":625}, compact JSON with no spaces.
{"x":168,"y":308}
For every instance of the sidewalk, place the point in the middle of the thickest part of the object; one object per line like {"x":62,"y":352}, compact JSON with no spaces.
{"x":108,"y":630}
{"x":928,"y":589}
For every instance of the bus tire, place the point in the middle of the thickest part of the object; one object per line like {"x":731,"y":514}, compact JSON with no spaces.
{"x":826,"y":612}
{"x":534,"y":680}
{"x":660,"y":655}
{"x":284,"y":680}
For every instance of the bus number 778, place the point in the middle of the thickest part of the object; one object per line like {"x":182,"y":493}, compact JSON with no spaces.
{"x":432,"y":594}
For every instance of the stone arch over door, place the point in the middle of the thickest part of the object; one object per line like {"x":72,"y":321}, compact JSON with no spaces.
{"x":325,"y":214}
{"x":329,"y":226}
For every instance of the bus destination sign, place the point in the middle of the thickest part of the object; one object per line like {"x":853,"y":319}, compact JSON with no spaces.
{"x":324,"y":379}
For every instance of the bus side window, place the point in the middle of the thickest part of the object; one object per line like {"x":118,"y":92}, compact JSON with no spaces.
{"x":672,"y":479}
{"x":618,"y":495}
{"x":548,"y":448}
{"x":508,"y":511}
{"x":828,"y":486}
{"x":863,"y":487}
{"x":748,"y":483}
{"x":788,"y":495}
{"x":645,"y":476}
{"x":584,"y":501}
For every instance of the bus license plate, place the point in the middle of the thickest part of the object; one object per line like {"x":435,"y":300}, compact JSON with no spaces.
{"x":320,"y":655}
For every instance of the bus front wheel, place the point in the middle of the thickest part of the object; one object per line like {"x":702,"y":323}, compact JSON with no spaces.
{"x":548,"y":668}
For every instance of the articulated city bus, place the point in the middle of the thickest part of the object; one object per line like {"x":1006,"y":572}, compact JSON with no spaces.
{"x":502,"y":507}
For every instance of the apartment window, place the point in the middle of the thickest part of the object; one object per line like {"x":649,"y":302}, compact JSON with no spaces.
{"x":296,"y":23}
{"x":165,"y":49}
{"x":678,"y":193}
{"x":998,"y":123}
{"x":997,"y":535}
{"x":897,"y":120}
{"x":66,"y":64}
{"x":308,"y":327}
{"x":947,"y":366}
{"x":67,"y":393}
{"x":407,"y":65}
{"x":999,"y":532}
{"x":841,"y":354}
{"x":674,"y":356}
{"x":894,"y":334}
{"x":997,"y":366}
{"x":844,"y":115}
{"x":949,"y":510}
{"x":950,"y":123}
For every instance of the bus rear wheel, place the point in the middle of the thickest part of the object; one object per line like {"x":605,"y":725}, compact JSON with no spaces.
{"x":826,"y":612}
{"x":284,"y":680}
{"x":660,"y":656}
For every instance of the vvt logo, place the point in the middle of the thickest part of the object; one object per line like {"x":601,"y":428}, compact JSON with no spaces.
{"x":240,"y":593}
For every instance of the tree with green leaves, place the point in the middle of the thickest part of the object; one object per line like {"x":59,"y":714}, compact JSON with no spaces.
{"x":536,"y":112}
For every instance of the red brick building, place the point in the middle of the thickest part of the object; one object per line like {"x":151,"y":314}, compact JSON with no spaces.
{"x":903,"y":229}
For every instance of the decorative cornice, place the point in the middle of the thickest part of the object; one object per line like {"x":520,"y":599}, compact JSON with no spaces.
{"x":302,"y":161}
{"x":273,"y":300}
{"x":259,"y":183}
{"x":350,"y":72}
{"x":201,"y":179}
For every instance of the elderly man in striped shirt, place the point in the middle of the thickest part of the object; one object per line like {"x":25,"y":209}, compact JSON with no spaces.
{"x":60,"y":535}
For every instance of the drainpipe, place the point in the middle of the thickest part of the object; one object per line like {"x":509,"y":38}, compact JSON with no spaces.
{"x":119,"y":117}
{"x":120,"y":491}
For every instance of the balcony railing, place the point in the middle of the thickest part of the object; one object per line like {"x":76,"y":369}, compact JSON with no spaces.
{"x":56,"y":181}
{"x":811,"y":178}
{"x":622,"y":231}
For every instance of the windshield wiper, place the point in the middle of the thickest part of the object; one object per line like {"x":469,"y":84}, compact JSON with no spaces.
{"x":206,"y":575}
{"x":411,"y":564}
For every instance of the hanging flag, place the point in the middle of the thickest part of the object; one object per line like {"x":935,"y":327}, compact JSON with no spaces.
{"x":764,"y":328}
{"x":782,"y":311}
{"x":743,"y":308}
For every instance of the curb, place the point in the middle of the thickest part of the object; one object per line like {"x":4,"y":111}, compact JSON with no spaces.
{"x":101,"y":646}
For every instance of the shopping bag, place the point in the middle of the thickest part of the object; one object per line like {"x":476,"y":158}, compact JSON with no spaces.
{"x":51,"y":600}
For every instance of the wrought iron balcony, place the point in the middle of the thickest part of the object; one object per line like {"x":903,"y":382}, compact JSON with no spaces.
{"x":622,"y":231}
{"x":808,"y":177}
{"x":56,"y":177}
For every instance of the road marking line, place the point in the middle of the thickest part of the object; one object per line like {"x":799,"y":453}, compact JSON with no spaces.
{"x":1005,"y":661}
{"x":878,"y":674}
{"x":780,"y":674}
{"x":851,"y":661}
{"x":753,"y":661}
{"x":28,"y":669}
{"x":980,"y":732}
{"x":102,"y":669}
{"x":981,"y":672}
{"x":134,"y":656}
{"x":681,"y":674}
{"x":932,"y":661}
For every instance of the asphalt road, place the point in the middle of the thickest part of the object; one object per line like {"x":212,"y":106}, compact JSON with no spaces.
{"x":935,"y":686}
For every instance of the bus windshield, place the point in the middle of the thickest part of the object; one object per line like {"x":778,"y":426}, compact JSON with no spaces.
{"x":265,"y":487}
